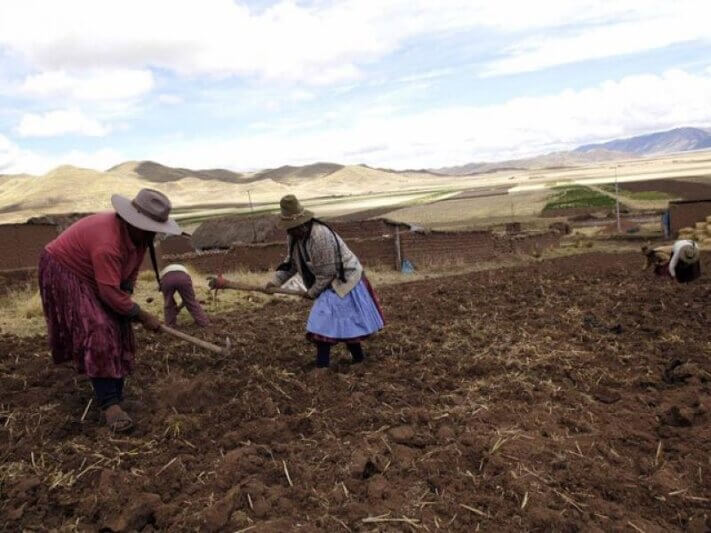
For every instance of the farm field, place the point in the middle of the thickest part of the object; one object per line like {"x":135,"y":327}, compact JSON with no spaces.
{"x":577,"y":196}
{"x":570,"y":394}
{"x":468,"y":212}
{"x":692,"y":189}
{"x":340,"y":193}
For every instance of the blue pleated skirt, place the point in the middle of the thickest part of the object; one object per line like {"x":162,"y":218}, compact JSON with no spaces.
{"x":354,"y":317}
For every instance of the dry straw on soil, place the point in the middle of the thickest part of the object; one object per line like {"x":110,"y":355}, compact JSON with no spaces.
{"x":561,"y":395}
{"x":21,"y":311}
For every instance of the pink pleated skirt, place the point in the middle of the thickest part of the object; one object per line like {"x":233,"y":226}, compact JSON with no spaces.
{"x":81,"y":329}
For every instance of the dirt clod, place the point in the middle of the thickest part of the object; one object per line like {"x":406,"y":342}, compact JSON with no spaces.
{"x":678,"y":417}
{"x":140,"y":511}
{"x":402,"y":434}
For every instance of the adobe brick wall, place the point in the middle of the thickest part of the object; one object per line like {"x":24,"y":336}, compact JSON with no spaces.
{"x":470,"y":246}
{"x":365,"y":229}
{"x":177,"y":244}
{"x":360,"y":229}
{"x":260,"y":257}
{"x":22,"y":244}
{"x":684,"y":215}
{"x":377,"y":251}
{"x":435,"y":247}
{"x":420,"y":248}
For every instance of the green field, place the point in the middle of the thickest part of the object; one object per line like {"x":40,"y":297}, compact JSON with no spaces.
{"x":573,"y":196}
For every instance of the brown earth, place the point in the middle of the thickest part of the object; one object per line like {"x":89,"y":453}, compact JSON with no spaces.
{"x":580,"y":212}
{"x":479,"y":193}
{"x":626,"y":226}
{"x":571,"y":395}
{"x":686,"y":190}
{"x":286,"y":173}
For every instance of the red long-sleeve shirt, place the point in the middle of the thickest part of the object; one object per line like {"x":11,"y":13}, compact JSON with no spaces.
{"x":99,"y":250}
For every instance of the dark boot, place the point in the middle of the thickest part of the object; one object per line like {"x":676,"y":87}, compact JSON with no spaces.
{"x":323,"y":354}
{"x":356,"y":351}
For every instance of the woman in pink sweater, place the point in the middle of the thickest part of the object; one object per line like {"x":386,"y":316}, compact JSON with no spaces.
{"x":86,"y":279}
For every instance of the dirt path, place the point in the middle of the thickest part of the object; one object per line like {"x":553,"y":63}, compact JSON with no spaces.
{"x":568,"y":395}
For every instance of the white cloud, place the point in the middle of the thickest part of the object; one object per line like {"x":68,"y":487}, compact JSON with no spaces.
{"x":8,"y":153}
{"x":439,"y":137}
{"x":60,"y":122}
{"x":17,"y":160}
{"x":659,"y":26}
{"x":101,"y":159}
{"x":300,"y":95}
{"x":92,"y":85}
{"x":170,"y":99}
{"x":322,"y":42}
{"x":517,"y":128}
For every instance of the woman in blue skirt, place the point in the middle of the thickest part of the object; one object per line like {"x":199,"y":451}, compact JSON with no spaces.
{"x":346,"y":308}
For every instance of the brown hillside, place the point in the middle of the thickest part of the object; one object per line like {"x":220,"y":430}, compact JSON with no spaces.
{"x":286,"y":172}
{"x":157,"y":173}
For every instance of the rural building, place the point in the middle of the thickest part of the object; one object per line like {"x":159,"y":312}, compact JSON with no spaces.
{"x":686,"y":213}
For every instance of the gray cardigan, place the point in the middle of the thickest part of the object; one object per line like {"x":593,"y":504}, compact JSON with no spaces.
{"x":323,"y":262}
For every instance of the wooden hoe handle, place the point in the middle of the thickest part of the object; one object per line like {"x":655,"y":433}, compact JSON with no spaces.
{"x":255,"y":288}
{"x":197,"y":342}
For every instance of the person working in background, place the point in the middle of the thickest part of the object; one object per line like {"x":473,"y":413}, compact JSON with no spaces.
{"x":681,"y":260}
{"x":175,"y":278}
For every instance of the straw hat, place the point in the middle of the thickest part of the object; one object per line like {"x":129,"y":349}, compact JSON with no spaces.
{"x":148,"y":211}
{"x":292,"y":213}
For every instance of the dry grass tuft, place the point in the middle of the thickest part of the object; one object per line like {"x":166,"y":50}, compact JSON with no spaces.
{"x":21,"y":312}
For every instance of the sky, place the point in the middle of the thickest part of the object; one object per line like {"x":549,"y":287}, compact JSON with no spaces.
{"x":402,"y":84}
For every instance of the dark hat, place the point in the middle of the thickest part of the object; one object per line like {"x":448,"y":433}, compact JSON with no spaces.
{"x":292,"y":213}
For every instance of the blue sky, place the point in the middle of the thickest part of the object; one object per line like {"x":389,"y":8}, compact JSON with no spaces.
{"x":395,"y":83}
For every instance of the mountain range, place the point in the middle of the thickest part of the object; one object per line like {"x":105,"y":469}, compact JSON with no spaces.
{"x":663,"y":142}
{"x":70,"y":189}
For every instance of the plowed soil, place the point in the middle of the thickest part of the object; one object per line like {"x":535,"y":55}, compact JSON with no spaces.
{"x":571,"y":395}
{"x":687,"y":190}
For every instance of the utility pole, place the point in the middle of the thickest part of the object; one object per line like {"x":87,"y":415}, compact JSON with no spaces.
{"x":617,"y":203}
{"x":251,"y":209}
